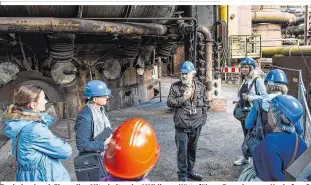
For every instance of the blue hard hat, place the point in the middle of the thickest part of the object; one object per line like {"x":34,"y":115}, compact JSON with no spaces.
{"x":96,"y":88}
{"x":248,"y":61}
{"x":289,"y":106}
{"x":276,"y":76}
{"x":187,"y":67}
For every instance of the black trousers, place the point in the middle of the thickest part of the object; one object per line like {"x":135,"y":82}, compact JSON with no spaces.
{"x":244,"y":132}
{"x":186,"y":143}
{"x":244,"y":129}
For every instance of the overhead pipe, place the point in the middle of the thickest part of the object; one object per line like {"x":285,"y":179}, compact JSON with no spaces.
{"x":290,"y":41}
{"x":273,"y":17}
{"x":73,"y":25}
{"x":208,"y":58}
{"x":159,"y":18}
{"x":291,"y":50}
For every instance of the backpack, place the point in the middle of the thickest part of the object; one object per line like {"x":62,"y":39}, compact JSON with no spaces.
{"x":90,"y":166}
{"x":255,"y":135}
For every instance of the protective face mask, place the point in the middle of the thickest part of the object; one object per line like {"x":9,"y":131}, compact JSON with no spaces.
{"x":186,"y":81}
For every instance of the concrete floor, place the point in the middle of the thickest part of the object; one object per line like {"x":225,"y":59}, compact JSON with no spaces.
{"x":219,"y":144}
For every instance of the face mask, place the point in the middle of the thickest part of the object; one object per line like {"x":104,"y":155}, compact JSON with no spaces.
{"x":186,"y":81}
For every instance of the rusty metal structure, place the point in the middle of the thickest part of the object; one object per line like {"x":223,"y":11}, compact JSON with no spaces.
{"x":60,"y":48}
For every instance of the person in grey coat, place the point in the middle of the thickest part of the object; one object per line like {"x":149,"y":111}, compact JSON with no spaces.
{"x":189,"y":101}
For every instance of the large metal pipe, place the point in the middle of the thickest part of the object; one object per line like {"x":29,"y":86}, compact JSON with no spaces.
{"x":73,"y":25}
{"x":292,"y":50}
{"x":273,"y":17}
{"x":208,"y":58}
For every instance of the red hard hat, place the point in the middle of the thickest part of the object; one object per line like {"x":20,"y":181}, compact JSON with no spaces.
{"x":133,"y":150}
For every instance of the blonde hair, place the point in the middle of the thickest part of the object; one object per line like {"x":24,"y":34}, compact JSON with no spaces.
{"x":272,"y":88}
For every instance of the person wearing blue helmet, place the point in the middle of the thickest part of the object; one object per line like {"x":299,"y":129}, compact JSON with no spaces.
{"x":256,"y":120}
{"x":93,"y":129}
{"x":189,"y":100}
{"x":280,"y":148}
{"x":250,"y":87}
{"x":275,"y":81}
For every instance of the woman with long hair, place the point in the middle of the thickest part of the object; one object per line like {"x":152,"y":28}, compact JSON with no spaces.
{"x":251,"y":87}
{"x":36,"y":149}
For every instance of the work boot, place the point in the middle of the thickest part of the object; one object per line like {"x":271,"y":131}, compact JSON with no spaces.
{"x":195,"y":176}
{"x":242,"y":161}
{"x":182,"y":179}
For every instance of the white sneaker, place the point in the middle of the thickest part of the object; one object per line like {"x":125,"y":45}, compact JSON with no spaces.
{"x":242,"y":161}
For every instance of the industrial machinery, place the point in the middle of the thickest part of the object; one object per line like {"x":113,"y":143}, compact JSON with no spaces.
{"x":60,"y":48}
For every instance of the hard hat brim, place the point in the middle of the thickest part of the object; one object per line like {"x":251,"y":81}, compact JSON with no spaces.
{"x":188,"y":72}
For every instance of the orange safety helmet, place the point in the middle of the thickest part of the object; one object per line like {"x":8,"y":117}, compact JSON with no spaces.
{"x":133,"y":150}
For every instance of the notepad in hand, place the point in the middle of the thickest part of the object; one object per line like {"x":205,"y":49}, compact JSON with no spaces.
{"x":104,"y":134}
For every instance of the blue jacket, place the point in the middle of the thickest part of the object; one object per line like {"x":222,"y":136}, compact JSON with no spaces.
{"x":83,"y":129}
{"x":273,"y":154}
{"x":38,"y":149}
{"x":251,"y":118}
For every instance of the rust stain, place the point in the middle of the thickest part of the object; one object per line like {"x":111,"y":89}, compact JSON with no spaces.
{"x":130,"y":77}
{"x":178,"y":59}
{"x":80,"y":94}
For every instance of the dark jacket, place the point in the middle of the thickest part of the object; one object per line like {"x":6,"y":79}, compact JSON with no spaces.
{"x":182,"y":116}
{"x":84,"y":132}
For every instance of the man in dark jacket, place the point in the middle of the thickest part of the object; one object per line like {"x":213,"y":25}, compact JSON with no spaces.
{"x":189,"y":100}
